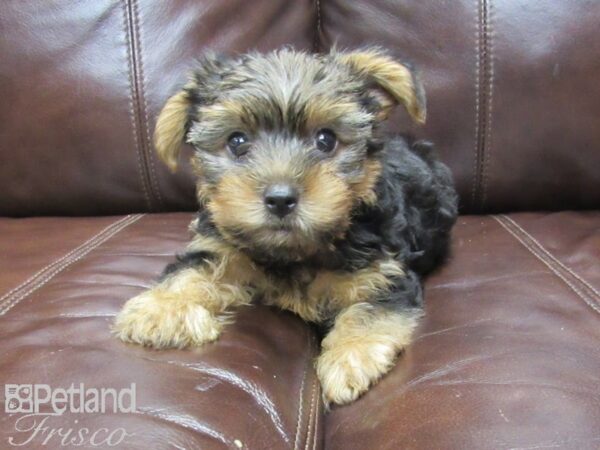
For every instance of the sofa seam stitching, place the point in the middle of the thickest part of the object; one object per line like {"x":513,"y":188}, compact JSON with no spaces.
{"x":132,"y":115}
{"x":51,"y":265}
{"x":300,"y":406}
{"x":144,"y":104}
{"x":319,"y":28}
{"x":554,"y":258}
{"x":548,"y":264}
{"x":311,"y":416}
{"x":67,"y":263}
{"x":487,"y":148}
{"x":83,"y":250}
{"x":142,"y":126}
{"x":477,"y":101}
{"x":483,"y":106}
{"x":317,"y":415}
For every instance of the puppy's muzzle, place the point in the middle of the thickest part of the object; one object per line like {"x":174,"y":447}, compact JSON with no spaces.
{"x":281,"y":199}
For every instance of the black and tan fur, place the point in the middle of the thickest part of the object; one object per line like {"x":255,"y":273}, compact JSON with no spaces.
{"x":372,"y":216}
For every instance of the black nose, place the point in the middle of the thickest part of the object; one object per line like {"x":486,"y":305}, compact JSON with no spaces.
{"x":281,"y":199}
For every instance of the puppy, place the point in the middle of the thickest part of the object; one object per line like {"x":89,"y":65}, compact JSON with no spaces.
{"x":305,"y":205}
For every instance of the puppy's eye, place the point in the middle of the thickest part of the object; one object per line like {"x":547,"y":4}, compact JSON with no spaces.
{"x":325,"y":140}
{"x":237,"y":143}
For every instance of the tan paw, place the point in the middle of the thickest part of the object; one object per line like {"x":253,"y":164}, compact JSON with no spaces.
{"x":347,"y":372}
{"x":158,"y":319}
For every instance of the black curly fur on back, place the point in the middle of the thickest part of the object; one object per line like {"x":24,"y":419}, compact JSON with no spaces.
{"x":415,"y":210}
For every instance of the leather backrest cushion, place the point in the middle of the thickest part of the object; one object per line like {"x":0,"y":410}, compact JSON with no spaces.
{"x":514,"y":97}
{"x":513,"y":92}
{"x":81,"y":83}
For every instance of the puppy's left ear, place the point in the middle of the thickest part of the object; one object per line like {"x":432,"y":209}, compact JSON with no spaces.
{"x":395,"y":82}
{"x":171,"y":128}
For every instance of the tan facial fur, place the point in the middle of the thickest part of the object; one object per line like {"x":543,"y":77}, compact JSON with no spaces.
{"x":326,"y":200}
{"x":364,"y":190}
{"x":237,"y":207}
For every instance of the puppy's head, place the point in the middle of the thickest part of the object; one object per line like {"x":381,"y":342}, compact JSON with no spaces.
{"x":286,"y":143}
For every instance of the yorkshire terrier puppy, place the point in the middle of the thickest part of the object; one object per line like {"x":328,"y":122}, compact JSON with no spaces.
{"x":305,"y":205}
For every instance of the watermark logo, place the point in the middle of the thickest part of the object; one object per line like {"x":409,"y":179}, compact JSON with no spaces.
{"x":18,"y":398}
{"x":36,"y":398}
{"x":36,"y":405}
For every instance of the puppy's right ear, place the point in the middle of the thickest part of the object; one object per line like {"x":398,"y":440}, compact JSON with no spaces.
{"x":171,"y":127}
{"x":175,"y":118}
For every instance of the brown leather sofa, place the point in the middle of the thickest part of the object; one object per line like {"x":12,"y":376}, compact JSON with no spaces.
{"x":508,"y":356}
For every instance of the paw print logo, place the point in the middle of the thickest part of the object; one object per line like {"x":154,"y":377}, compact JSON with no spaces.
{"x":18,"y":398}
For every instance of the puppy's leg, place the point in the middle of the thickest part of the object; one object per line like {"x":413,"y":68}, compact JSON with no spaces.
{"x":186,"y":308}
{"x":363,"y":343}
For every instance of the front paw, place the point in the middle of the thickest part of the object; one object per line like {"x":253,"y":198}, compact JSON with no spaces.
{"x":156,"y":318}
{"x":347,"y":372}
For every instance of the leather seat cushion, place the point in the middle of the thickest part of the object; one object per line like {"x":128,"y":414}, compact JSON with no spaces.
{"x":507,"y":354}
